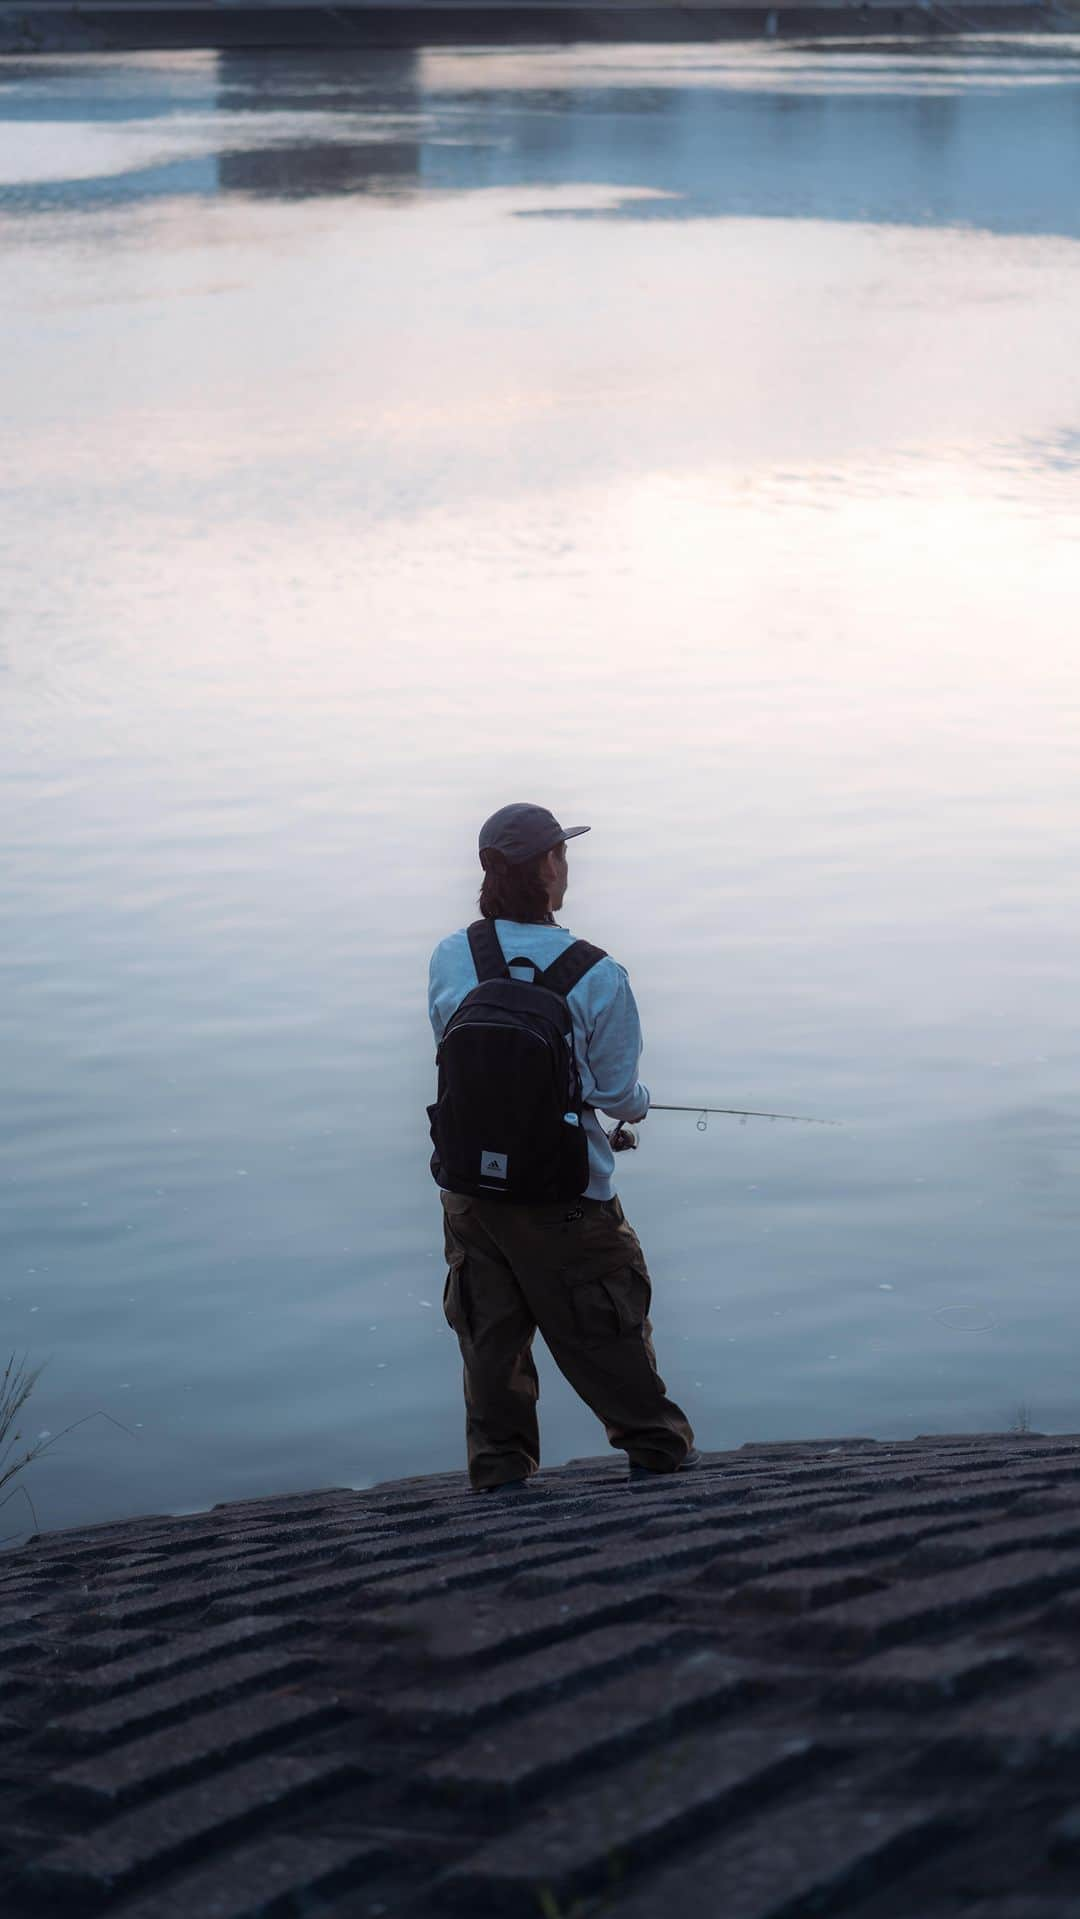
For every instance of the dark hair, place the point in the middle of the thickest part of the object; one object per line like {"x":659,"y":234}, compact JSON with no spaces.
{"x":513,"y":892}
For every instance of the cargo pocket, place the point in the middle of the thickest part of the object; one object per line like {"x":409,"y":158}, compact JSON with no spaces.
{"x":453,"y":1298}
{"x":612,"y":1305}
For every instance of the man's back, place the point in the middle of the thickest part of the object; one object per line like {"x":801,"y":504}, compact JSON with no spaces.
{"x":607,"y":1031}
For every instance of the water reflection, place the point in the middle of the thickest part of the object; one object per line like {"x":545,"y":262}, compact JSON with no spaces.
{"x":350,"y":499}
{"x":933,"y":137}
{"x":383,"y":95}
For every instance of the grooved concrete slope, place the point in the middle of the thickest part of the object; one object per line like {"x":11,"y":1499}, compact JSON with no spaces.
{"x":804,"y":1678}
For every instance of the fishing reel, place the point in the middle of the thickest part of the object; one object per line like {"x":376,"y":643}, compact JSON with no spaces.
{"x":622,"y":1138}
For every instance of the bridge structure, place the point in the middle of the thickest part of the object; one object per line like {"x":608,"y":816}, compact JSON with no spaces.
{"x":125,"y":25}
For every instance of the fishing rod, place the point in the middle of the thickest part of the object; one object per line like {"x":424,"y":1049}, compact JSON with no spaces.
{"x":739,"y":1112}
{"x":622,"y":1138}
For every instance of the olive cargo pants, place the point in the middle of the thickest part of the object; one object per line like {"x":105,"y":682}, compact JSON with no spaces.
{"x":576,"y":1270}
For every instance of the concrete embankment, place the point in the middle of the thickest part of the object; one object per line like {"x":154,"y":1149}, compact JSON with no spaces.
{"x":804,"y":1676}
{"x":104,"y":25}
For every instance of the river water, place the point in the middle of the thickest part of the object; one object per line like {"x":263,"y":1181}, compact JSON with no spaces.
{"x":687,"y":439}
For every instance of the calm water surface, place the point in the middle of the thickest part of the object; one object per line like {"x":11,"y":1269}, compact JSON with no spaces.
{"x":688,"y":439}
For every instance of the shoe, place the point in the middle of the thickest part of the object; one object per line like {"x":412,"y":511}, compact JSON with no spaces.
{"x":507,"y":1486}
{"x":639,"y":1474}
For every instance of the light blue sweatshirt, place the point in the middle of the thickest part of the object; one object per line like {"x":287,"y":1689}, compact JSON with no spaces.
{"x":607,"y":1031}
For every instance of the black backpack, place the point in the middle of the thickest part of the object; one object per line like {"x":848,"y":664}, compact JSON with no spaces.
{"x":507,"y":1119}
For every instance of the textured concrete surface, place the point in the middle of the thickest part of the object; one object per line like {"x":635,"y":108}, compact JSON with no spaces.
{"x":804,"y":1678}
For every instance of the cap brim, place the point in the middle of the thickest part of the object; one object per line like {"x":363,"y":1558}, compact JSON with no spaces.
{"x":571,"y":832}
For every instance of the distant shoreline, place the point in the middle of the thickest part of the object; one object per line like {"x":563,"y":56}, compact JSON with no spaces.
{"x":58,"y":26}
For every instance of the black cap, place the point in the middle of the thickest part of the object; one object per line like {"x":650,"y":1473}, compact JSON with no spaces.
{"x":521,"y":832}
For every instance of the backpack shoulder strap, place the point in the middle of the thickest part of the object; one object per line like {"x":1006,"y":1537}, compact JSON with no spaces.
{"x":564,"y":973}
{"x":486,"y":951}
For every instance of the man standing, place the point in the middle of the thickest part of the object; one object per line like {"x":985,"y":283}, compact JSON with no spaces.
{"x":571,"y":1266}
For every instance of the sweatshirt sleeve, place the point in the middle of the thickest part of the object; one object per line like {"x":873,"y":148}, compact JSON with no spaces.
{"x":613,"y":1052}
{"x":445,"y":988}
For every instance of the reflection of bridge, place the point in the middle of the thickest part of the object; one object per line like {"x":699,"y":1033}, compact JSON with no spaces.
{"x":861,"y":142}
{"x":129,"y":24}
{"x":313,"y":79}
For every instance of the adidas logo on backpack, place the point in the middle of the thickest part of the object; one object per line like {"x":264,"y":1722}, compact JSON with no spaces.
{"x":507,"y":1071}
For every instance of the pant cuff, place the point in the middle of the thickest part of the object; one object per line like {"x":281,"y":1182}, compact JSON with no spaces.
{"x":484,"y":1482}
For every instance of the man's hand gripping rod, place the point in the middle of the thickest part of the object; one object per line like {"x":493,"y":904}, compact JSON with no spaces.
{"x":622,"y":1139}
